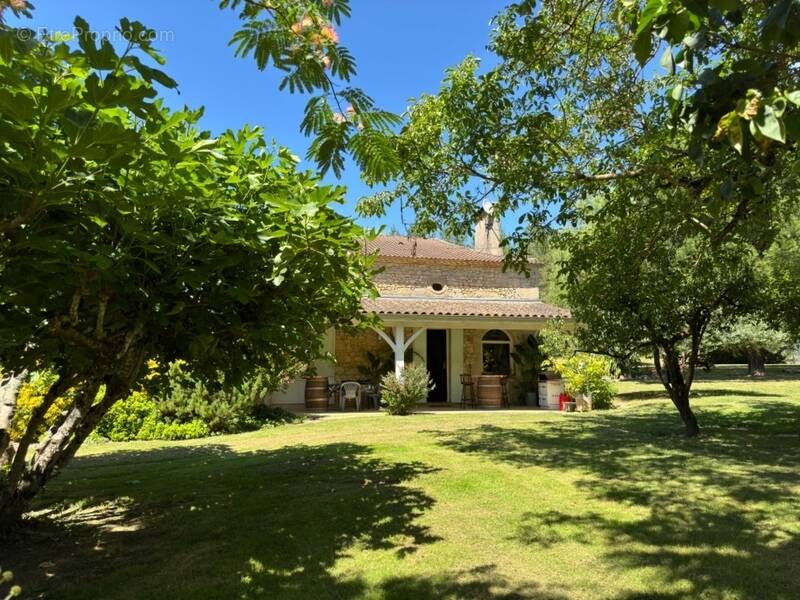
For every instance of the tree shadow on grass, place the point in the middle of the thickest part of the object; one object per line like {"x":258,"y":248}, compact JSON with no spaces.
{"x":202,"y":521}
{"x":474,"y":584}
{"x":716,"y":517}
{"x":661,"y":394}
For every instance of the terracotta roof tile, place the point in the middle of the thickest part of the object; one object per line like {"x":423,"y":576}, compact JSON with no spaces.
{"x":463,"y":307}
{"x":399,"y":246}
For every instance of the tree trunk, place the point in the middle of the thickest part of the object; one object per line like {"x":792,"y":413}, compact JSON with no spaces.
{"x":681,"y":402}
{"x":9,"y":388}
{"x":55,"y":452}
{"x":16,"y":471}
{"x":678,"y":387}
{"x":755,"y":364}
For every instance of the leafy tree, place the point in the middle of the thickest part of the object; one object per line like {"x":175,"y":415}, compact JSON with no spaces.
{"x":567,"y":113}
{"x":299,"y":38}
{"x":128,"y":234}
{"x":569,"y":129}
{"x":781,"y":277}
{"x":736,"y":63}
{"x":751,"y":336}
{"x":642,"y":278}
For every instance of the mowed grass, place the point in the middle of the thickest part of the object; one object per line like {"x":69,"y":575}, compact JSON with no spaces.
{"x":448,"y":505}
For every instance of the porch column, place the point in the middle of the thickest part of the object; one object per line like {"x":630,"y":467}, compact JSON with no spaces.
{"x":399,"y":345}
{"x":399,"y":350}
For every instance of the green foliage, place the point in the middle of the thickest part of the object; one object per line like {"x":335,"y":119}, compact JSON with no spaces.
{"x":185,"y":408}
{"x":780,"y":274}
{"x":556,"y":341}
{"x":748,"y":334}
{"x":152,"y":223}
{"x":530,"y":357}
{"x":155,"y":429}
{"x":222,"y":409}
{"x":138,"y":417}
{"x":127,"y":418}
{"x":299,"y":38}
{"x":399,"y":395}
{"x":127,"y":233}
{"x":641,"y":277}
{"x":588,"y":374}
{"x":732,"y":63}
{"x":377,"y":366}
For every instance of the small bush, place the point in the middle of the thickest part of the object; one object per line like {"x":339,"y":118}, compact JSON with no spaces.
{"x":223,"y":410}
{"x":190,"y":411}
{"x":155,"y":429}
{"x":400,"y":395}
{"x":125,"y":420}
{"x":589,"y":374}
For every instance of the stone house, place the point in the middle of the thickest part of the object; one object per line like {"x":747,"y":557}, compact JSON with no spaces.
{"x":446,"y":306}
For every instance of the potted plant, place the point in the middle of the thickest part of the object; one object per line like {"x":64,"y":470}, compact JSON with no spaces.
{"x":529,"y":357}
{"x":377,"y":366}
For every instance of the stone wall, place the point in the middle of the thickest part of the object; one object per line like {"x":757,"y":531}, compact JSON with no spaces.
{"x":351,"y":352}
{"x":473,"y":361}
{"x":459,"y":280}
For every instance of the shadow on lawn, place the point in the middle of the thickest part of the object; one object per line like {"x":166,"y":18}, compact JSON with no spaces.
{"x":715,"y":517}
{"x":225,"y":525}
{"x":661,"y":393}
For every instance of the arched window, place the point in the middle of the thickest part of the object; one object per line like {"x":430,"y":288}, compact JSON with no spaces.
{"x":496,"y":352}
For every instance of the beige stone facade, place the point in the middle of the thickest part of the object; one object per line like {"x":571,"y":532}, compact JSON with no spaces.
{"x":410,"y":278}
{"x":437,"y":302}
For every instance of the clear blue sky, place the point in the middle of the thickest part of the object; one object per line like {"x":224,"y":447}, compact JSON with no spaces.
{"x":402,"y":48}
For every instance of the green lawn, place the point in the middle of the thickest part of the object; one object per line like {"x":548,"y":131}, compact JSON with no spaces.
{"x":478,"y":505}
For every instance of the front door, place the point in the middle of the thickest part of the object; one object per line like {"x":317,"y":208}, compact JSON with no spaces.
{"x":437,"y":364}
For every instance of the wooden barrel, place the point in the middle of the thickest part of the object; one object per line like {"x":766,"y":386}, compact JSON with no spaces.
{"x":490,"y":391}
{"x":316,"y":393}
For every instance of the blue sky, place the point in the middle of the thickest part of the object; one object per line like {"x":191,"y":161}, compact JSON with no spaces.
{"x":402,"y":48}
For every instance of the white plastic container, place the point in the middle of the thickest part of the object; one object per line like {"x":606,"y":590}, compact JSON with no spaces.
{"x":549,"y":392}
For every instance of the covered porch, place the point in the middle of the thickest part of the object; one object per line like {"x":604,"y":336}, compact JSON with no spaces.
{"x":451,"y":338}
{"x":447,"y":348}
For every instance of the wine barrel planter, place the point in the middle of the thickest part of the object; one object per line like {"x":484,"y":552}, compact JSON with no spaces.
{"x":316,"y":393}
{"x":490,"y":391}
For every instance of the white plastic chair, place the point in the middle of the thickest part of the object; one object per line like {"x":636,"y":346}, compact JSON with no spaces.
{"x":350,"y":390}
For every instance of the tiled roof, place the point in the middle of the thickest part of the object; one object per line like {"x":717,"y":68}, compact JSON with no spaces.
{"x":463,"y":307}
{"x":400,"y":246}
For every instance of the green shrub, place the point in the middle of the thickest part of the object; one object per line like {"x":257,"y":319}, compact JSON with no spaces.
{"x":222,"y":410}
{"x":400,"y":395}
{"x":125,"y":420}
{"x":186,"y":409}
{"x":588,"y":374}
{"x":155,"y":429}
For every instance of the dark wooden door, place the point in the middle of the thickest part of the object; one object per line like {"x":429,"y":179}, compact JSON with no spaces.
{"x":437,"y":364}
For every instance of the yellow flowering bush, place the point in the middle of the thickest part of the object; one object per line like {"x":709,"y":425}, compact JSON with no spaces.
{"x":588,"y":374}
{"x":30,"y":396}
